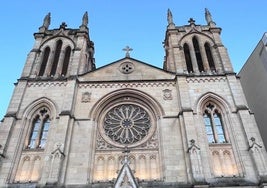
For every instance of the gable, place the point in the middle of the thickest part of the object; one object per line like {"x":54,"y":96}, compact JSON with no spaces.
{"x":127,"y":69}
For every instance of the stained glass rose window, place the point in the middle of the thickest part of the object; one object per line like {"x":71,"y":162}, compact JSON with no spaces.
{"x":127,"y":123}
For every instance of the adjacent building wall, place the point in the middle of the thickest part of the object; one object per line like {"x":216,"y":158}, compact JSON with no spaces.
{"x":253,"y":76}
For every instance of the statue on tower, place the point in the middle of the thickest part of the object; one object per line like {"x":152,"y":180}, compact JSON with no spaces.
{"x":170,"y":20}
{"x":208,"y":17}
{"x":169,"y":17}
{"x":46,"y":22}
{"x":84,"y":21}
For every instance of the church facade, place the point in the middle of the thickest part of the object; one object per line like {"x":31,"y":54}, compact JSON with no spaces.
{"x":130,"y":124}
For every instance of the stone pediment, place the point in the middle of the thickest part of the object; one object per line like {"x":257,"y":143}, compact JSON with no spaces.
{"x":127,"y":69}
{"x":125,"y":177}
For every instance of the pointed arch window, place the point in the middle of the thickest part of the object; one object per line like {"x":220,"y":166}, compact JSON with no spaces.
{"x":44,"y":61}
{"x":39,"y":130}
{"x":213,"y":124}
{"x":209,"y":57}
{"x":66,"y":61}
{"x":188,"y":60}
{"x":198,"y":55}
{"x":56,"y":58}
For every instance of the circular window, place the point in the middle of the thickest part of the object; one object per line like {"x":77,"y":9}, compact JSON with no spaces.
{"x":126,"y":67}
{"x":126,"y":124}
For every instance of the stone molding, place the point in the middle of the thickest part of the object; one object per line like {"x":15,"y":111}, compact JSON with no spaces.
{"x":44,"y":84}
{"x":126,"y":85}
{"x":206,"y":79}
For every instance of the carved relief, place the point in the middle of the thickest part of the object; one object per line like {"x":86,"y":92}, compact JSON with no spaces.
{"x":258,"y":156}
{"x":86,"y":97}
{"x":167,"y":94}
{"x":151,"y":143}
{"x":101,"y":144}
{"x":196,"y":163}
{"x":57,"y":157}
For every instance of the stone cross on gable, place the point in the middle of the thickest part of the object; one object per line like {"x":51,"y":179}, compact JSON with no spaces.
{"x":127,"y":49}
{"x":63,"y":25}
{"x":191,"y":21}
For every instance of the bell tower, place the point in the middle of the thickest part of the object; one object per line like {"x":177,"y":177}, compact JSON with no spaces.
{"x":195,"y":49}
{"x":60,"y":53}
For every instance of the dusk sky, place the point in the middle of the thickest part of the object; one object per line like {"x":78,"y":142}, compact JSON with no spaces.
{"x":140,"y":24}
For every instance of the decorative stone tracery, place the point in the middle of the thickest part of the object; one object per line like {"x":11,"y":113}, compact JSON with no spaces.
{"x":126,"y":123}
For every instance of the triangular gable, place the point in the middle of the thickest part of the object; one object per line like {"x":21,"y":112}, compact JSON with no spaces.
{"x":125,"y":177}
{"x":127,"y":69}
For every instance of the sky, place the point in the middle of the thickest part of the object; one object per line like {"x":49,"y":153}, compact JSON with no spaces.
{"x":140,"y":24}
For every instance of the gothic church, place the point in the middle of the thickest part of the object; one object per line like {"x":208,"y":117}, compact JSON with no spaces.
{"x":130,"y":124}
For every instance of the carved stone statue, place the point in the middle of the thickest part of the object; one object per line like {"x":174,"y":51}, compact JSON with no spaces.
{"x":208,"y":17}
{"x":169,"y":17}
{"x":47,"y":19}
{"x":85,"y":19}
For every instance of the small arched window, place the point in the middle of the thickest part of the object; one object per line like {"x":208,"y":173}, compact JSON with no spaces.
{"x":39,"y":130}
{"x":66,"y":61}
{"x":209,"y":57}
{"x":213,"y":124}
{"x":198,"y":55}
{"x":56,"y":58}
{"x":44,"y":61}
{"x":188,"y":60}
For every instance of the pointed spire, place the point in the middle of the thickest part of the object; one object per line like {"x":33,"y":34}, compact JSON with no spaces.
{"x":46,"y":22}
{"x":208,"y":17}
{"x":170,"y":19}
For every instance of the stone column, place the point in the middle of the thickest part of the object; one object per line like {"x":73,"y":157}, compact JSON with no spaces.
{"x":50,"y":62}
{"x":193,"y":58}
{"x":60,"y":63}
{"x":204,"y":57}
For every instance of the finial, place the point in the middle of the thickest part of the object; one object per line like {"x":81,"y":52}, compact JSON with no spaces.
{"x":46,"y":22}
{"x":208,"y":17}
{"x":85,"y":19}
{"x":127,"y":49}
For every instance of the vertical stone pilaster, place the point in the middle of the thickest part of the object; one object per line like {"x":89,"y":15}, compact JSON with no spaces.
{"x":56,"y":159}
{"x":196,"y":163}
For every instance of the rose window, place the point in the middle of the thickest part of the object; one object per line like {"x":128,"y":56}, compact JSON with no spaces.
{"x":126,"y":67}
{"x":127,"y":123}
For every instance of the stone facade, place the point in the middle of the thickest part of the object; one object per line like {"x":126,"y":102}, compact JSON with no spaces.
{"x":130,"y":124}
